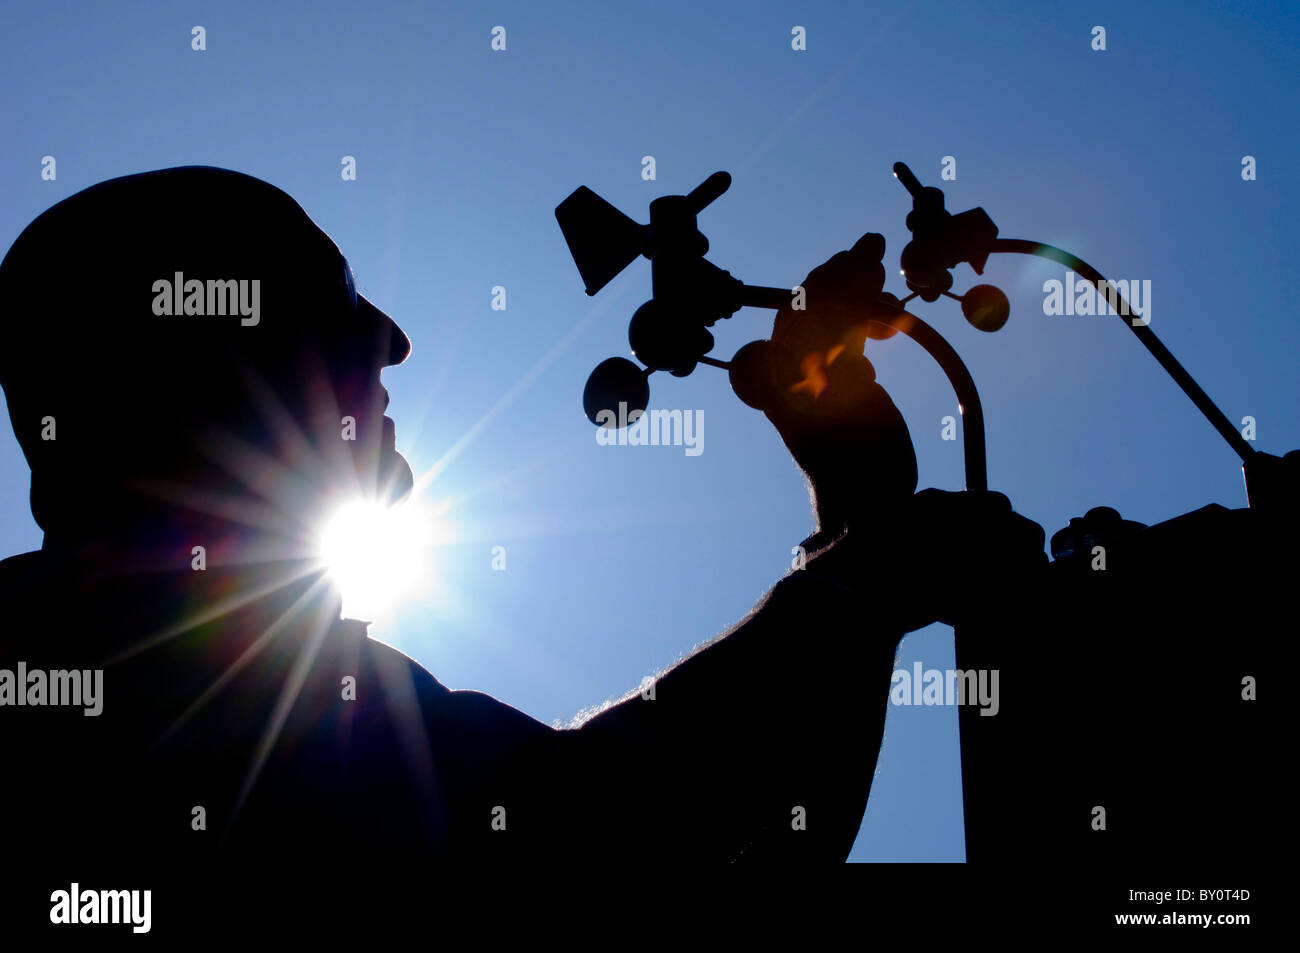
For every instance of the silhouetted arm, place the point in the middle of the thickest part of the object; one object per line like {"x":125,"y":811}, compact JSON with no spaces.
{"x":759,"y":745}
{"x":764,"y":742}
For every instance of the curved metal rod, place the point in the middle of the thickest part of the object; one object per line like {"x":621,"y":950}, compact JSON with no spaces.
{"x":1212,"y":413}
{"x":975,"y":459}
{"x":974,"y":451}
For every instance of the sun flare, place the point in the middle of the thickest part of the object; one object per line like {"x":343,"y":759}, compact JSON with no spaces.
{"x":381,"y":557}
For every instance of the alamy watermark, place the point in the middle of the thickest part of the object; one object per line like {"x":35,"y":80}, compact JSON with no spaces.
{"x":36,"y":687}
{"x":934,"y":686}
{"x":75,"y":905}
{"x":1079,"y":296}
{"x":651,"y":428}
{"x":180,"y":296}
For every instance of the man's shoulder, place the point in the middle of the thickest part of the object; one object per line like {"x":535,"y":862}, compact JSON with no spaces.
{"x":468,"y":713}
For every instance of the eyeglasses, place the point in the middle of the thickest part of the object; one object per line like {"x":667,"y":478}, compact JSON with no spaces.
{"x":349,"y":285}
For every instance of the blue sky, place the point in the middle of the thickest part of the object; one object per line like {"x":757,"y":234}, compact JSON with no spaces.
{"x":621,"y":559}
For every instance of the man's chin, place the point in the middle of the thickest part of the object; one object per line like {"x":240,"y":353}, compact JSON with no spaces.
{"x":396,"y":479}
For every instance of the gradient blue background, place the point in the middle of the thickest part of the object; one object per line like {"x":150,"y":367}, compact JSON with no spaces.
{"x":622,"y":559}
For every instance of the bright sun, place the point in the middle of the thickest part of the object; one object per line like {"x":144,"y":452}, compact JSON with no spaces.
{"x":380,"y":557}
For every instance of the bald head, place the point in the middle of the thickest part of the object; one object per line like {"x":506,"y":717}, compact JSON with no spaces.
{"x":190,"y":339}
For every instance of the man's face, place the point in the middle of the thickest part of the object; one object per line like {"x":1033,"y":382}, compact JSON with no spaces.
{"x":345,"y":399}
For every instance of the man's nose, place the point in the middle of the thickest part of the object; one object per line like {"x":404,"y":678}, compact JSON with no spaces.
{"x":384,"y":329}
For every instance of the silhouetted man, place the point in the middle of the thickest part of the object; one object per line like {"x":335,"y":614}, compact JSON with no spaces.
{"x":179,"y":350}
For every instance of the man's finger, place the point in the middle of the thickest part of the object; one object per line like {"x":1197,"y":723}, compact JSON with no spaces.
{"x":870,"y":247}
{"x":830,"y":273}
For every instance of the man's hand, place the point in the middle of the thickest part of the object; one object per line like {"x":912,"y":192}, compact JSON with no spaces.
{"x":937,"y":557}
{"x":932,"y":556}
{"x":838,"y":423}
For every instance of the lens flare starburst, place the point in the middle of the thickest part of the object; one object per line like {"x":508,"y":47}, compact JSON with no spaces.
{"x":379,"y":556}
